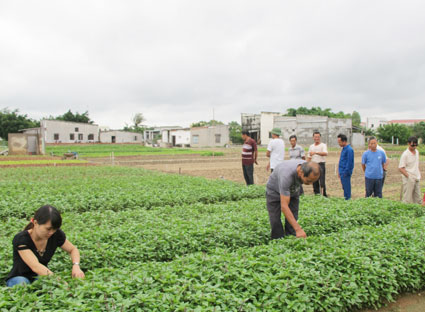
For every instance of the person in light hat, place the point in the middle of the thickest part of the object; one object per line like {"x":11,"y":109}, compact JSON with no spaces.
{"x":275,"y":149}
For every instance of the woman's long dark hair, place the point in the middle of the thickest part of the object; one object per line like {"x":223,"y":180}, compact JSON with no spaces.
{"x":45,"y":214}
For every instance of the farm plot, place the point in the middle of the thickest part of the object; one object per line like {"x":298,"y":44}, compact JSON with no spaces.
{"x":210,"y":252}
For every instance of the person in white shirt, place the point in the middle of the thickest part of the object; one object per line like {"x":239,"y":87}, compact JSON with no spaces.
{"x":317,"y":153}
{"x":385,"y":165}
{"x":409,"y":168}
{"x":275,"y":149}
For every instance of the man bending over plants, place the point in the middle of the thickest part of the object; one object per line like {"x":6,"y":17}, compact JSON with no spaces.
{"x":283,"y":195}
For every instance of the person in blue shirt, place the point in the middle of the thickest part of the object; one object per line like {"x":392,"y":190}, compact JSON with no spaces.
{"x":373,"y":161}
{"x":346,"y":165}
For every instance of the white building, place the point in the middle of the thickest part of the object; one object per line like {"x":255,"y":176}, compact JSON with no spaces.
{"x":180,"y":137}
{"x":374,"y":123}
{"x":267,"y":124}
{"x":116,"y":136}
{"x":210,"y":136}
{"x":58,"y":131}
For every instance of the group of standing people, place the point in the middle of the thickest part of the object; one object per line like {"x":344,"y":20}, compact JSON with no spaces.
{"x":284,"y":185}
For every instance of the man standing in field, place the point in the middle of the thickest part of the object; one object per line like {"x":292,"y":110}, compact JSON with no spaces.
{"x":379,"y":147}
{"x":275,"y":149}
{"x":249,"y":157}
{"x":373,"y":161}
{"x":346,"y":165}
{"x":317,"y":153}
{"x":283,"y":195}
{"x":409,"y":168}
{"x":295,"y":151}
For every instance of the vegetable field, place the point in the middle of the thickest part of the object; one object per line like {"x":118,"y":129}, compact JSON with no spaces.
{"x":158,"y":242}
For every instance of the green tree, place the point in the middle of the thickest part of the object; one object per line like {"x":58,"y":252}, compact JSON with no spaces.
{"x":212,"y":122}
{"x":418,"y":130}
{"x":317,"y":111}
{"x":356,"y":119}
{"x":12,"y":122}
{"x":235,"y":131}
{"x":398,"y":131}
{"x":70,"y":116}
{"x":137,"y":124}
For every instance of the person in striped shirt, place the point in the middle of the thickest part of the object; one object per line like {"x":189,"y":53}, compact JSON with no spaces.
{"x":249,"y":157}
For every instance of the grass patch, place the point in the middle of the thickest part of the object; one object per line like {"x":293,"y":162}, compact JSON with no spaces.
{"x":105,"y":150}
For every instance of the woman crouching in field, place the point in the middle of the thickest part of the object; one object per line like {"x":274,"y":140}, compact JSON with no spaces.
{"x":35,"y":245}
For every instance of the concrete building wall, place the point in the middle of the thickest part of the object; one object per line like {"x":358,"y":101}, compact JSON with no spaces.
{"x":214,"y":136}
{"x":373,"y":123}
{"x":25,"y":144}
{"x":180,"y":137}
{"x":267,"y":124}
{"x":303,"y":127}
{"x":358,"y":140}
{"x":116,"y":136}
{"x":252,"y":124}
{"x":57,"y":131}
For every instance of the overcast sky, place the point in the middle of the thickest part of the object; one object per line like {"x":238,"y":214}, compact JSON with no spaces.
{"x":177,"y":61}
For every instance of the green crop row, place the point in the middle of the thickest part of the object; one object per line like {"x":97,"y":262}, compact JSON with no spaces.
{"x":105,"y":150}
{"x":23,"y":190}
{"x":341,"y":272}
{"x":116,"y":239}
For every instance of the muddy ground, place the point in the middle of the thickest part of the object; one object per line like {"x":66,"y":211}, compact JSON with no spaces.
{"x":229,"y":167}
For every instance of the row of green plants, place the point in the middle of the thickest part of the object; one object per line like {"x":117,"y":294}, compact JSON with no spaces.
{"x":41,"y":162}
{"x":344,"y":271}
{"x":105,"y":150}
{"x":115,"y":239}
{"x":81,"y":189}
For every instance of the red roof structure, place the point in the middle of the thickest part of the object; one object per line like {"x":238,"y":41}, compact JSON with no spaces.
{"x":405,"y":121}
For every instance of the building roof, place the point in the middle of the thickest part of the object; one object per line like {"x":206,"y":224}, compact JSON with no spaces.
{"x":406,"y":121}
{"x":74,"y":122}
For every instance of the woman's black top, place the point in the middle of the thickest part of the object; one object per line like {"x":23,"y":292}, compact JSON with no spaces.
{"x":23,"y":241}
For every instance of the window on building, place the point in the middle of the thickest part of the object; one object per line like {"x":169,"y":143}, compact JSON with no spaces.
{"x":80,"y":136}
{"x":217,"y":138}
{"x":90,"y":136}
{"x":56,"y":136}
{"x":72,"y":136}
{"x":135,"y":138}
{"x":270,"y":135}
{"x":195,"y":139}
{"x":76,"y":129}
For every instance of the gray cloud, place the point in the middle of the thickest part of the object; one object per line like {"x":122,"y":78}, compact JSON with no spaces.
{"x":176,"y":61}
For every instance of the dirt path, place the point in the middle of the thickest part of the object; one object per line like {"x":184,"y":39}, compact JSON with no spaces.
{"x":229,"y":167}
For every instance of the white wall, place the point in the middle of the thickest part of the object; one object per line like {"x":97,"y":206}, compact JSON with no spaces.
{"x":182,"y":137}
{"x":64,"y":129}
{"x":267,"y":121}
{"x":373,"y":123}
{"x":120,"y":137}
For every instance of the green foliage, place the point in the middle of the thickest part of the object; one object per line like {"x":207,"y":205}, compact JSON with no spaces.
{"x":136,"y":127}
{"x":104,"y":150}
{"x":212,"y":122}
{"x":70,"y":116}
{"x":418,"y":130}
{"x":13,"y":122}
{"x":114,"y":188}
{"x":318,"y":111}
{"x":235,"y":132}
{"x":212,"y":153}
{"x":398,"y":131}
{"x":156,"y":242}
{"x":355,"y":116}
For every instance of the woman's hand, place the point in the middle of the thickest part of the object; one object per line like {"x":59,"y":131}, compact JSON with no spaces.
{"x":76,"y":272}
